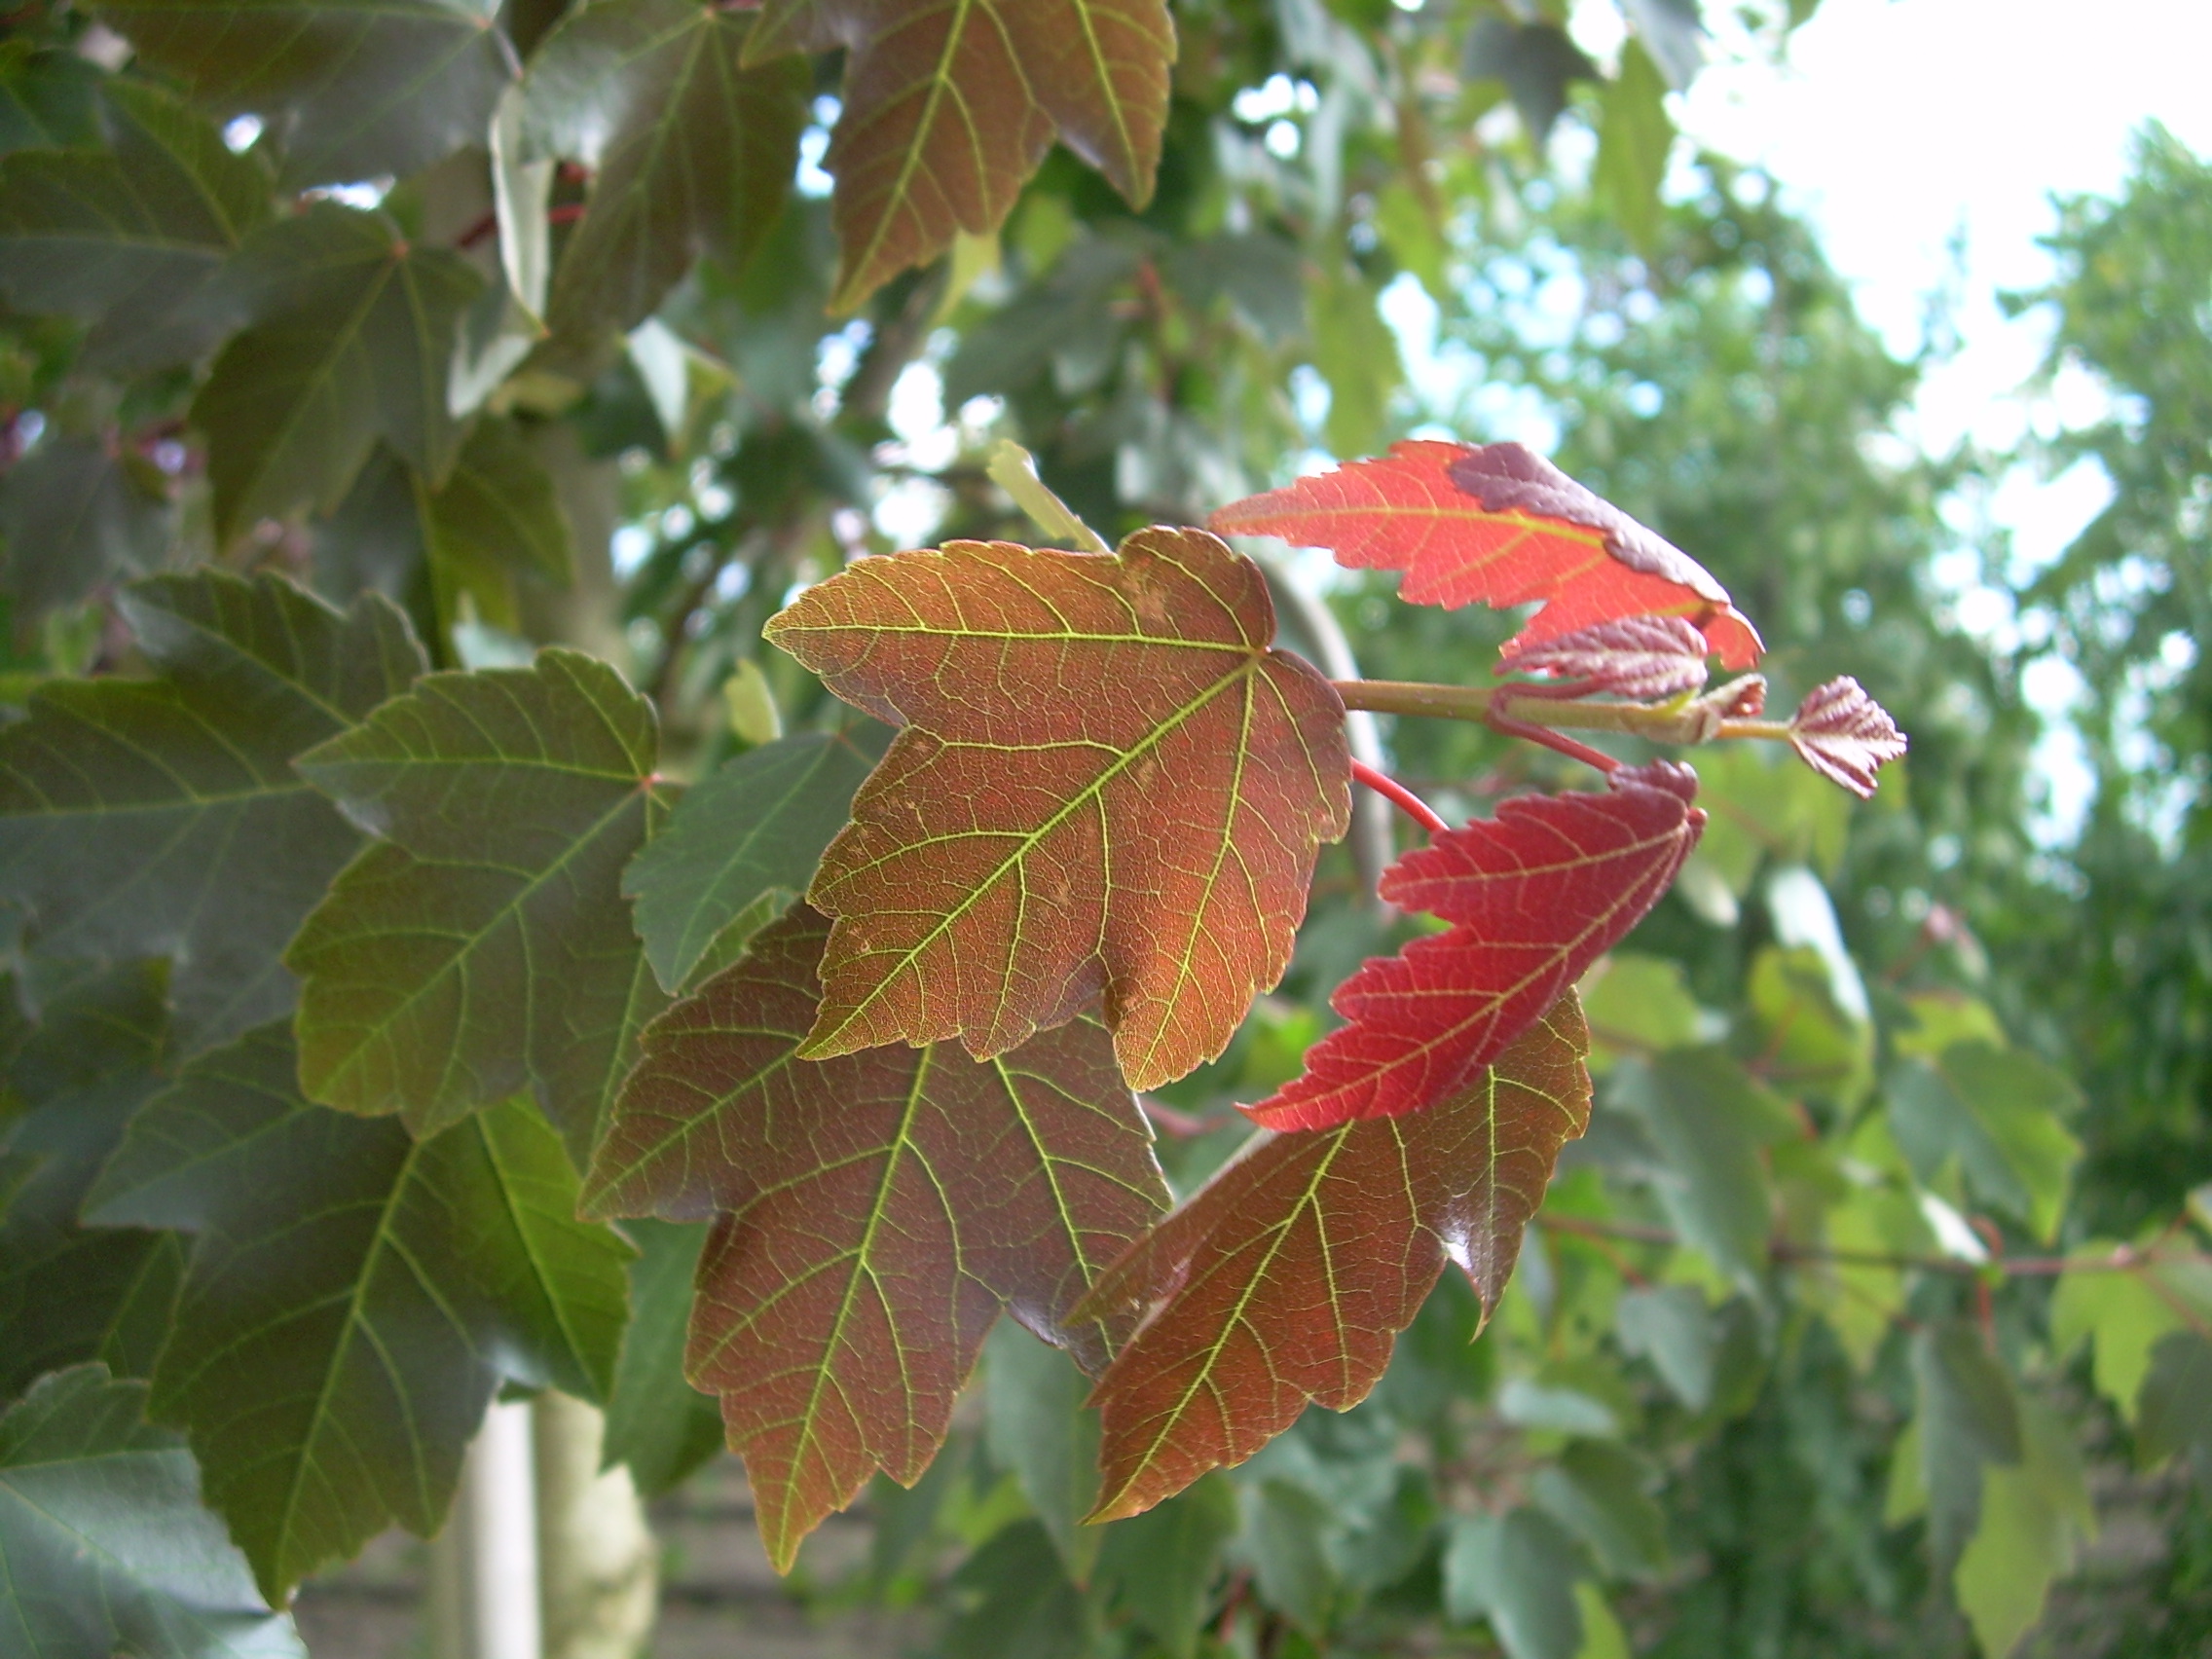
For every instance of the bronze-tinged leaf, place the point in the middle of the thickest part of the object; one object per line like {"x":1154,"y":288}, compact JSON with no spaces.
{"x":1535,"y":896}
{"x":1288,"y":1276}
{"x":1845,"y":735}
{"x":1500,"y":525}
{"x":879,"y":1209}
{"x":1638,"y":656}
{"x":950,"y":104}
{"x":1108,"y":785}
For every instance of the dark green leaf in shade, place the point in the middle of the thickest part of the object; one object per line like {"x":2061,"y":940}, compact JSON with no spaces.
{"x":353,"y":1296}
{"x":70,"y":1293}
{"x":351,"y":341}
{"x":1020,"y":1604}
{"x":1158,"y":1567}
{"x":1999,"y":1114}
{"x":497,"y":517}
{"x":1672,"y":32}
{"x":1537,"y":60}
{"x":1035,"y":1424}
{"x":756,"y":826}
{"x":656,"y":1422}
{"x":1634,"y":135}
{"x":2174,"y":1409}
{"x":1599,"y":1491}
{"x":484,"y":946}
{"x":162,"y":816}
{"x":876,"y":1211}
{"x":77,"y":513}
{"x":1708,"y":1118}
{"x":131,"y":238}
{"x":692,"y":151}
{"x":1518,"y":1570}
{"x":1287,"y":1534}
{"x":1669,"y":1325}
{"x":1966,"y":1418}
{"x":351,"y":89}
{"x":46,"y":97}
{"x":2034,"y":1513}
{"x":104,"y":1548}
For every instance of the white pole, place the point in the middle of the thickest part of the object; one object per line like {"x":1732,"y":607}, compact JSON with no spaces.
{"x":496,"y":1519}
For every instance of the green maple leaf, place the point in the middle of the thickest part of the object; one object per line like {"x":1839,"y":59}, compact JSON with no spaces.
{"x":353,"y":1296}
{"x":692,"y":151}
{"x":131,"y":237}
{"x":353,"y":88}
{"x":484,"y":946}
{"x":162,"y":816}
{"x":78,"y":511}
{"x":351,"y":341}
{"x":69,"y":1293}
{"x":950,"y":104}
{"x":103,"y":1545}
{"x":875,"y":1212}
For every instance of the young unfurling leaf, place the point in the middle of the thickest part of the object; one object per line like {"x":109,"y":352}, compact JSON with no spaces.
{"x":1288,"y":1276}
{"x":1637,"y":656}
{"x":1844,"y":734}
{"x":1535,"y":896}
{"x":1498,"y":523}
{"x":1108,"y":785}
{"x":874,"y":1212}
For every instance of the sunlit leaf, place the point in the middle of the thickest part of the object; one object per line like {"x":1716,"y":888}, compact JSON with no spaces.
{"x":1844,"y":734}
{"x":162,"y":818}
{"x":950,"y":104}
{"x":353,"y":88}
{"x":1108,"y":784}
{"x":354,"y":1296}
{"x":352,"y":340}
{"x":1499,"y":524}
{"x":692,"y":150}
{"x":1287,"y":1276}
{"x":483,"y":946}
{"x":104,"y":1548}
{"x":131,"y":237}
{"x":876,"y":1211}
{"x":2035,"y":1514}
{"x":1535,"y":896}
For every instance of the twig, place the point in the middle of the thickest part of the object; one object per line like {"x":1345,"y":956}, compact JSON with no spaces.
{"x":1403,"y":799}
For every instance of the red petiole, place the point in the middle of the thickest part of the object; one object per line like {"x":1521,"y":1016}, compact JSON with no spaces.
{"x":1398,"y":796}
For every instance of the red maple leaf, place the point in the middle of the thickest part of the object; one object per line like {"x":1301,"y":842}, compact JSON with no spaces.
{"x":1286,"y":1278}
{"x":1844,"y":734}
{"x":1637,"y":656}
{"x":1535,"y":895}
{"x":1498,"y":523}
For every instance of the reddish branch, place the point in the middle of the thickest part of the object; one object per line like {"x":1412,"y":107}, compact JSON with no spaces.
{"x":1403,"y":799}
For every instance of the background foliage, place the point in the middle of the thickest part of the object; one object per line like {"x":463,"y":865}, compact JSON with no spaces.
{"x":427,"y":308}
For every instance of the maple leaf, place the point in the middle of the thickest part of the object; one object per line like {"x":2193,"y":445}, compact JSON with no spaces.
{"x":1108,"y":784}
{"x":1286,"y":1278}
{"x":879,"y":1209}
{"x":1498,"y":523}
{"x":1535,"y":896}
{"x":1843,"y":734}
{"x":1637,"y":656}
{"x":950,"y":104}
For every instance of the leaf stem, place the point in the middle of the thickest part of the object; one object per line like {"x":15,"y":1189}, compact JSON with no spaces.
{"x":1661,"y":722}
{"x":1403,"y":799}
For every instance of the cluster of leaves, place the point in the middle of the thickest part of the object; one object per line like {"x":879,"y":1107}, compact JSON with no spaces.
{"x":350,"y":999}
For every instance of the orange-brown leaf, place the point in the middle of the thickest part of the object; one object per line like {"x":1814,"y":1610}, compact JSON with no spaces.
{"x":1108,"y":785}
{"x":1288,"y":1276}
{"x":1500,"y":525}
{"x":876,"y":1211}
{"x":950,"y":104}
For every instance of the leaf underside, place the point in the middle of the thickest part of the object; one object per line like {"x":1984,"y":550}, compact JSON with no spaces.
{"x":874,"y":1212}
{"x":1843,"y":734}
{"x":1107,"y":786}
{"x":1535,"y":895}
{"x":1287,"y":1276}
{"x":1498,"y":524}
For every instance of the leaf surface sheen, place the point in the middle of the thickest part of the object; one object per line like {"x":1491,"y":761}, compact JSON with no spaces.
{"x":1108,"y":785}
{"x":1500,"y":525}
{"x":483,"y":946}
{"x":353,"y":88}
{"x":162,"y":816}
{"x":1535,"y":895}
{"x":950,"y":104}
{"x":874,"y":1213}
{"x":353,"y":1296}
{"x":1286,"y":1278}
{"x":692,"y":150}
